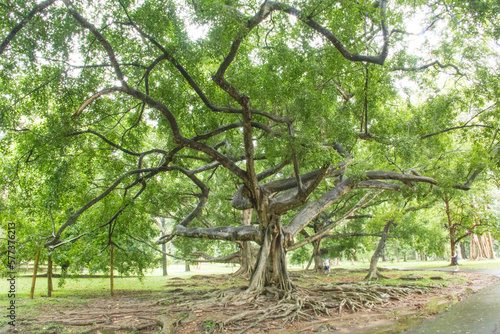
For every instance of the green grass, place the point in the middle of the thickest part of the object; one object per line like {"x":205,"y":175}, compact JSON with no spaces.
{"x":491,"y":264}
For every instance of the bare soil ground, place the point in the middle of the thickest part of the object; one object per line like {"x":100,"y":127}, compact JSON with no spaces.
{"x":337,"y":304}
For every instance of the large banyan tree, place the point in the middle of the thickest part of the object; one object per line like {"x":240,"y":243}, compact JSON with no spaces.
{"x":284,"y":108}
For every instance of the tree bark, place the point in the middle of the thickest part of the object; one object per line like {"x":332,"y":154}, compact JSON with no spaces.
{"x":310,"y":261}
{"x":373,"y":272}
{"x":247,"y":257}
{"x":186,"y":266}
{"x":270,"y":270}
{"x":35,"y":270}
{"x":490,"y":241}
{"x":50,"y":287}
{"x":111,"y":270}
{"x":318,"y":262}
{"x":451,"y":230}
{"x":164,"y":250}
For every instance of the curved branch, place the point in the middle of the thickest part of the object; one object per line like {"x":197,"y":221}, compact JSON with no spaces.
{"x":221,"y":259}
{"x":109,"y":50}
{"x":267,"y":8}
{"x":95,"y":97}
{"x":203,"y":197}
{"x":124,"y":150}
{"x":426,"y":66}
{"x":457,"y":127}
{"x":281,"y":185}
{"x":12,"y":34}
{"x":182,"y":141}
{"x":72,"y":219}
{"x":51,"y":248}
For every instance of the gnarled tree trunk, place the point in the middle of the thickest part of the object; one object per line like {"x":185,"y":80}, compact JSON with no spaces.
{"x":318,"y":261}
{"x":373,"y":272}
{"x":247,"y":255}
{"x":270,"y":270}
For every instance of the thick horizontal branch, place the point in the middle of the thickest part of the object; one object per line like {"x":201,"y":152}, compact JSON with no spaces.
{"x":229,"y":233}
{"x":222,"y":259}
{"x":286,"y":202}
{"x":281,"y":185}
{"x":405,"y":178}
{"x":231,"y":258}
{"x":372,"y":184}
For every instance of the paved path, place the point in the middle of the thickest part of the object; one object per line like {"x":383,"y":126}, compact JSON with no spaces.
{"x":477,"y":314}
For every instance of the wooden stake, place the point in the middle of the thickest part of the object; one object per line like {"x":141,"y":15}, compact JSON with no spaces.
{"x":50,"y":288}
{"x":111,"y":271}
{"x":35,"y":269}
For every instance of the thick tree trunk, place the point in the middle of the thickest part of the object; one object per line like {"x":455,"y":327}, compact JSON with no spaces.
{"x":472,"y":247}
{"x":270,"y":270}
{"x":462,"y":251}
{"x":453,"y":249}
{"x":451,"y":229}
{"x":186,"y":266}
{"x":35,"y":270}
{"x":373,"y":272}
{"x":247,"y":256}
{"x":490,"y":241}
{"x":247,"y":260}
{"x":318,"y":261}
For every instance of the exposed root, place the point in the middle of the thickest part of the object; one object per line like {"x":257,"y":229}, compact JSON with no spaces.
{"x":374,"y":275}
{"x":245,"y":311}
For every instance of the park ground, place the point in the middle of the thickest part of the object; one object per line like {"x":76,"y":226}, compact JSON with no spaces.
{"x":208,"y":300}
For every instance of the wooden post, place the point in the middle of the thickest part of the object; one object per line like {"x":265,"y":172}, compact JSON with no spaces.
{"x":35,"y":269}
{"x":50,"y":288}
{"x":112,"y":283}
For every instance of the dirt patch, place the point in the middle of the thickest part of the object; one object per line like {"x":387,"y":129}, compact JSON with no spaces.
{"x":344,"y":305}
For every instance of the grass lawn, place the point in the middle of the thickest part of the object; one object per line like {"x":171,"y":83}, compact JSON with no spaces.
{"x":492,"y":264}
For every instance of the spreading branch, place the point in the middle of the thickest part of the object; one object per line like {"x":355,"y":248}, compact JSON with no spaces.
{"x":12,"y":34}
